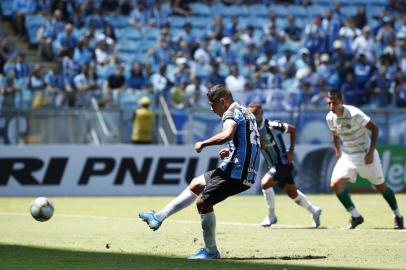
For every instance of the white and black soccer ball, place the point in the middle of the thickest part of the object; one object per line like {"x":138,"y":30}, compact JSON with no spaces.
{"x":42,"y":209}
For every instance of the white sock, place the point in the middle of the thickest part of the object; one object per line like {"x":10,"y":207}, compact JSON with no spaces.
{"x":302,"y":200}
{"x":354,"y":212}
{"x":269,"y":196}
{"x":186,"y":198}
{"x":397,"y":212}
{"x":208,"y":222}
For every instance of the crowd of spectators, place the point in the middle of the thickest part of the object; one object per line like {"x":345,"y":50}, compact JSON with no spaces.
{"x":301,"y":57}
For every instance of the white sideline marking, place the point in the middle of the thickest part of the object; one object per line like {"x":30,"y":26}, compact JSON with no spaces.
{"x":230,"y":223}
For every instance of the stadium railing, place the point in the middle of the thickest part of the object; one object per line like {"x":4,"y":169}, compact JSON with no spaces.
{"x":167,"y":127}
{"x":173,"y":126}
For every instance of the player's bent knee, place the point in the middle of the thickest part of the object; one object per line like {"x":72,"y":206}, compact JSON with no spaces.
{"x":292,"y":193}
{"x":266,"y":183}
{"x":202,"y":206}
{"x":337,"y":185}
{"x":197,"y":185}
{"x":381,"y":187}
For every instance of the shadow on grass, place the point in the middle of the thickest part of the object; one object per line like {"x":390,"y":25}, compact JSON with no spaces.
{"x":28,"y":257}
{"x":294,"y":228}
{"x":387,"y":229}
{"x":283,"y":258}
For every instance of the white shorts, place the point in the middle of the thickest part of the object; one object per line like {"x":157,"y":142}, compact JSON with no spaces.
{"x":348,"y":167}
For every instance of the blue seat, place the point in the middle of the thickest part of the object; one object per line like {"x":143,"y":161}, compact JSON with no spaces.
{"x":129,"y":46}
{"x":280,"y":10}
{"x":200,"y":22}
{"x":103,"y":72}
{"x":298,"y":11}
{"x":199,"y":33}
{"x":176,"y":32}
{"x":349,"y":10}
{"x":373,"y":11}
{"x":282,"y":22}
{"x":257,"y":22}
{"x":145,"y":45}
{"x":177,"y":21}
{"x":151,"y":33}
{"x":316,"y":10}
{"x":126,"y":57}
{"x":166,"y":6}
{"x":203,"y":72}
{"x":325,"y":3}
{"x":117,"y":21}
{"x":32,"y":24}
{"x":243,"y":69}
{"x":258,"y":10}
{"x":244,"y":21}
{"x":6,"y":7}
{"x":292,"y":46}
{"x":94,"y":20}
{"x":35,"y":19}
{"x":32,"y":34}
{"x":345,"y":3}
{"x":128,"y":33}
{"x":360,"y":2}
{"x":381,"y":3}
{"x":142,"y":58}
{"x":235,"y":10}
{"x":80,"y":32}
{"x":201,"y":9}
{"x":218,"y":9}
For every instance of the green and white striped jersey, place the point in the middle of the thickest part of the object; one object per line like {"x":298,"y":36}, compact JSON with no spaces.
{"x":350,"y":127}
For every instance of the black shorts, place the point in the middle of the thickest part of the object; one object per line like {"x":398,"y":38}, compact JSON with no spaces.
{"x":218,"y":187}
{"x":282,"y":174}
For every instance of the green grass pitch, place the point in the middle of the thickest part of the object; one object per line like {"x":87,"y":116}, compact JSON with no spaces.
{"x":105,"y":233}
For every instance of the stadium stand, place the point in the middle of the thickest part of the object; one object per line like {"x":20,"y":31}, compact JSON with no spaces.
{"x":287,"y":53}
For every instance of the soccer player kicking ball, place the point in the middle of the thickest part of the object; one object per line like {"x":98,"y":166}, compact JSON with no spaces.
{"x":279,"y":161}
{"x":358,"y":156}
{"x":236,"y":172}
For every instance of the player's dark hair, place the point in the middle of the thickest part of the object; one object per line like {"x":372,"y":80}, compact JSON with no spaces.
{"x":335,"y":93}
{"x":219,"y":91}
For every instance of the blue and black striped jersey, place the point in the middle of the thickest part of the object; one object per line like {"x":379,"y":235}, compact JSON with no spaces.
{"x":273,"y":148}
{"x":243,"y":160}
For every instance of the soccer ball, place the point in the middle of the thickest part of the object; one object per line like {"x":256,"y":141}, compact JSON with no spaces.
{"x":42,"y":209}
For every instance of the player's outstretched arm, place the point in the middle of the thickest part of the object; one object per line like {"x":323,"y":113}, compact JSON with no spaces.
{"x":336,"y":141}
{"x":292,"y":132}
{"x":369,"y":157}
{"x":227,"y":134}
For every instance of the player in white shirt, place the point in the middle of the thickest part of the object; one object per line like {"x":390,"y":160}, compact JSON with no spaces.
{"x":350,"y":126}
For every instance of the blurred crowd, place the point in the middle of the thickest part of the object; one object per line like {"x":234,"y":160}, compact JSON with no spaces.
{"x":119,"y":51}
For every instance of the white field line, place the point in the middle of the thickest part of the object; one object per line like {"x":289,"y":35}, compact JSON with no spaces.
{"x":229,"y":223}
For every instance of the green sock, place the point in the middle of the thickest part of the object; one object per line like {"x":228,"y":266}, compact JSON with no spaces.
{"x":345,"y":199}
{"x":390,"y":198}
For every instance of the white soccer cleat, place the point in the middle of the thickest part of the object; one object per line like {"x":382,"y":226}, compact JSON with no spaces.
{"x":316,"y":217}
{"x":268,"y":221}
